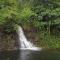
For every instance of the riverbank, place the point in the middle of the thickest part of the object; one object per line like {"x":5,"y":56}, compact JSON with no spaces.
{"x":42,"y":38}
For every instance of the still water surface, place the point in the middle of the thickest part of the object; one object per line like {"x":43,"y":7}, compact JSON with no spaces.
{"x":30,"y":55}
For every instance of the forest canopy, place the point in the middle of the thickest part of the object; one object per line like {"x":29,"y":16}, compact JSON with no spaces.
{"x":41,"y":11}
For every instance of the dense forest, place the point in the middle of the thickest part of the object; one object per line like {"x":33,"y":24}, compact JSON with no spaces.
{"x":39,"y":18}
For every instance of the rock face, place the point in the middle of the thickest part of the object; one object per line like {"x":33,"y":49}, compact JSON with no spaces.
{"x":31,"y":34}
{"x":8,"y":41}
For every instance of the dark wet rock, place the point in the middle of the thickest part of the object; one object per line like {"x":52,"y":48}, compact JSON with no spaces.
{"x":31,"y":34}
{"x":8,"y":41}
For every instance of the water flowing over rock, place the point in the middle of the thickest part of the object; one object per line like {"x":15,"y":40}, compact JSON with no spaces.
{"x":24,"y":43}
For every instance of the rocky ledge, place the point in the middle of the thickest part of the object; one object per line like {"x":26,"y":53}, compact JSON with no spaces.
{"x":8,"y":41}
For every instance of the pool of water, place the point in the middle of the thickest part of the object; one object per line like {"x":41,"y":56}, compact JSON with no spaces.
{"x":30,"y":55}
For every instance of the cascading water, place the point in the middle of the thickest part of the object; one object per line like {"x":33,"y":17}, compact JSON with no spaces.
{"x":24,"y":43}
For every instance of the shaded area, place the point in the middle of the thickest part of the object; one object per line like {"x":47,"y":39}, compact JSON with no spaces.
{"x":8,"y":41}
{"x":48,"y":54}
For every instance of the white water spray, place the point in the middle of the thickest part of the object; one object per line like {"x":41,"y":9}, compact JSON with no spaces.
{"x":25,"y":44}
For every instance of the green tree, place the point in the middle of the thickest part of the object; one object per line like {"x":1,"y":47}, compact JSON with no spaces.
{"x":12,"y":12}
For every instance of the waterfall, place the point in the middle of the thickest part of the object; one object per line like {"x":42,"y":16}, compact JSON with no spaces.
{"x":24,"y":43}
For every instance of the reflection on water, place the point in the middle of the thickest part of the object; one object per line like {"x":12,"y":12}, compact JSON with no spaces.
{"x":30,"y":55}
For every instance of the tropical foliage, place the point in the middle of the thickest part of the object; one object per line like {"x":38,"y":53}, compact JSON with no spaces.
{"x":44,"y":15}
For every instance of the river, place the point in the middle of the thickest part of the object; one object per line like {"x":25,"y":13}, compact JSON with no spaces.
{"x":30,"y":55}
